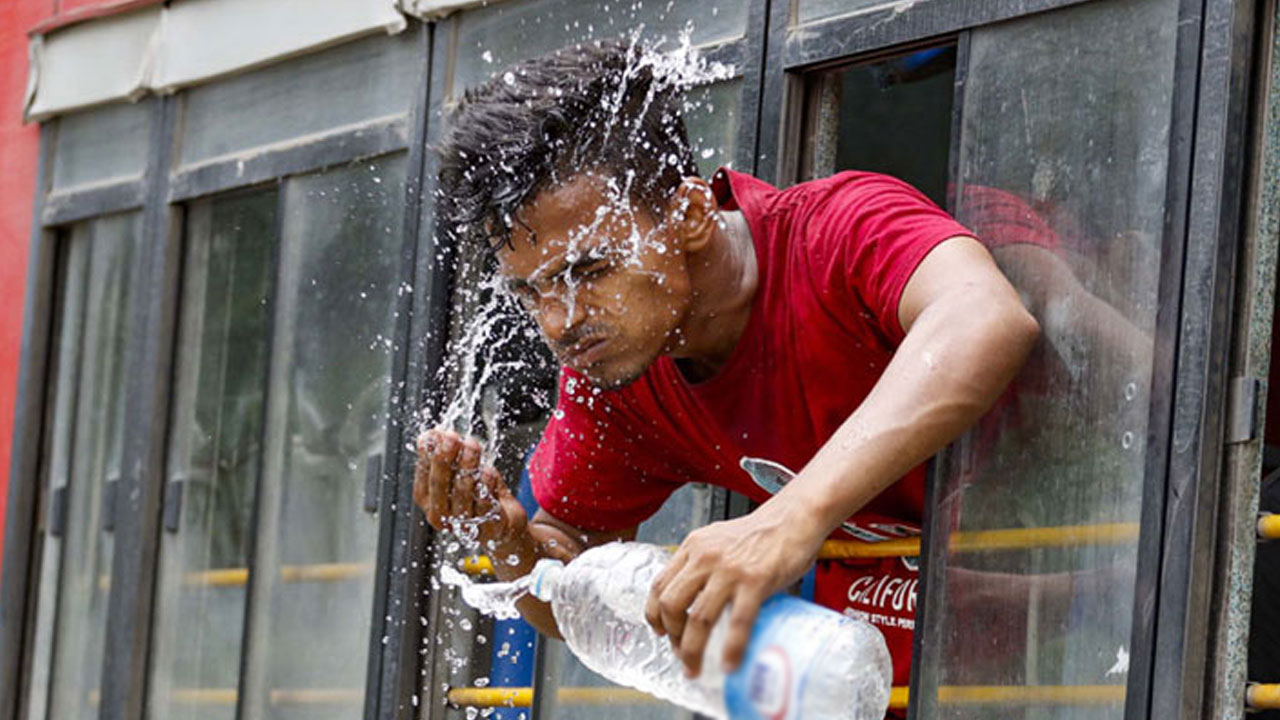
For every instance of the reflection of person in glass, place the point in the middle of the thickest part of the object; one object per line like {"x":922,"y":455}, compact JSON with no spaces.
{"x":1080,"y":329}
{"x":844,"y":327}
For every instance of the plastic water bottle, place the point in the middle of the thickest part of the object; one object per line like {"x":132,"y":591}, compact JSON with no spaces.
{"x":803,"y":661}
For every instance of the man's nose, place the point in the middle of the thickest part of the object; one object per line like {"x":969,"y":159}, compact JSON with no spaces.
{"x":558,"y":317}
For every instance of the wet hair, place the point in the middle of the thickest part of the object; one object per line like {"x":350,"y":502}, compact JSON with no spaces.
{"x":603,"y":107}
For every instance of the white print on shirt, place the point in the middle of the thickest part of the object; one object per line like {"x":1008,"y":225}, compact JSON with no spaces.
{"x":885,"y":592}
{"x":879,"y":620}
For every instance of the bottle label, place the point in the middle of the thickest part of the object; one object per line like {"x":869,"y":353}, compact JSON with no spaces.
{"x":788,"y":634}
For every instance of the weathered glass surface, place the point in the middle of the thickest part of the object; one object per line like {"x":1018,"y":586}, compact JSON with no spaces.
{"x":215,"y":456}
{"x":332,"y":339}
{"x":491,"y":38}
{"x":712,"y":124}
{"x":1062,"y":175}
{"x":101,"y":145}
{"x":97,"y":309}
{"x":295,"y":101}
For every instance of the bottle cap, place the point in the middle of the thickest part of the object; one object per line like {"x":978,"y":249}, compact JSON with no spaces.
{"x":545,"y":574}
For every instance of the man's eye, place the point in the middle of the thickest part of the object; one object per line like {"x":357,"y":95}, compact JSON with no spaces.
{"x":590,"y":270}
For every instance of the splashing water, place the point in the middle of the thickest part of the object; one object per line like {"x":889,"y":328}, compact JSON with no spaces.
{"x":491,"y":337}
{"x":474,"y":361}
{"x":496,"y":599}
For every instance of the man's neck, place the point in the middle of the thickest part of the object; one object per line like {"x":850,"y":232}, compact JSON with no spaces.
{"x":725,"y":277}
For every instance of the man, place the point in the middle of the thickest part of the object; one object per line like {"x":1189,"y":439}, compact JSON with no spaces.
{"x":846,"y":328}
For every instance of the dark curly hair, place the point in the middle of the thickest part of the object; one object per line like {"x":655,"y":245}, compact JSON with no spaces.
{"x":597,"y":106}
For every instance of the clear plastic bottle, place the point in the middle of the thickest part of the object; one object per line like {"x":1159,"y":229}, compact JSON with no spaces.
{"x":803,"y":662}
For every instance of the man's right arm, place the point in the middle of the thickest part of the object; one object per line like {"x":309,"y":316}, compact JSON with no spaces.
{"x":452,"y":487}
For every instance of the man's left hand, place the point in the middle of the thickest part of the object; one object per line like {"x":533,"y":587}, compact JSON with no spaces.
{"x":735,"y":564}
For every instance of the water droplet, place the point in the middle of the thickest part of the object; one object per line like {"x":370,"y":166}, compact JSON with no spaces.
{"x":1126,"y":440}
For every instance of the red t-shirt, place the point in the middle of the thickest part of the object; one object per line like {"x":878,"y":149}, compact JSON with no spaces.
{"x":834,"y":256}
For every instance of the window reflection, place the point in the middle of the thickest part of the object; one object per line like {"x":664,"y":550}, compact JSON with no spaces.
{"x":283,"y":378}
{"x":215,"y":455}
{"x":332,"y":345}
{"x":97,"y":311}
{"x":1062,"y":176}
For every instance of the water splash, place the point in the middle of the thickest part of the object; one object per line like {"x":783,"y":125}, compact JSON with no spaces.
{"x":496,"y":599}
{"x":475,"y":361}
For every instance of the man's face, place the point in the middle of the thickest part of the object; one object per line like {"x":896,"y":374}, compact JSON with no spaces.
{"x":607,"y":284}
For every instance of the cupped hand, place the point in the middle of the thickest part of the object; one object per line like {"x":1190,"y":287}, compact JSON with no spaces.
{"x":736,"y":564}
{"x":456,"y":491}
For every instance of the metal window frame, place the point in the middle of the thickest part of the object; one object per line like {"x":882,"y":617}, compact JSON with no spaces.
{"x":1208,"y":168}
{"x":1233,"y":601}
{"x":390,"y":662}
{"x":404,"y":669}
{"x":20,"y":523}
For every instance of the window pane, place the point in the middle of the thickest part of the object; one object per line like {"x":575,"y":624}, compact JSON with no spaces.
{"x":491,"y":38}
{"x":892,"y":116}
{"x":326,"y":417}
{"x":86,"y":434}
{"x":349,"y":84}
{"x":1063,"y":166}
{"x":101,"y":145}
{"x":215,"y":455}
{"x":808,"y":11}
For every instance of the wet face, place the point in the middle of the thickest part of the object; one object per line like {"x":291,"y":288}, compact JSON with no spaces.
{"x":606,"y":282}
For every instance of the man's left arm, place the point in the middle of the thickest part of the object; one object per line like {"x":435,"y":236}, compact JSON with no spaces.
{"x":967,"y":334}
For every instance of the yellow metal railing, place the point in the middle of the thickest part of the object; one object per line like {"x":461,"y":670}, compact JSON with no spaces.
{"x":1269,"y":526}
{"x":239,"y":576}
{"x":1262,"y":697}
{"x":222,"y":697}
{"x":1057,"y":695}
{"x":963,"y":541}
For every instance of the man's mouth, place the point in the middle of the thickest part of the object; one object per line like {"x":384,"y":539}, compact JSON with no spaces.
{"x":585,"y":352}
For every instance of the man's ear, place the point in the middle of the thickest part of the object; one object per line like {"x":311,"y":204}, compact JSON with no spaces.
{"x":695,"y":213}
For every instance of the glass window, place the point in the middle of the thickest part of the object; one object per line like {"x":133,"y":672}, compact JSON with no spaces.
{"x":215,"y":455}
{"x":347,"y":85}
{"x":892,"y":116}
{"x":282,"y":383}
{"x":492,"y":38}
{"x":807,"y":11}
{"x":101,"y":145}
{"x":328,"y":388}
{"x":1062,"y":175}
{"x":712,"y":123}
{"x":96,"y":312}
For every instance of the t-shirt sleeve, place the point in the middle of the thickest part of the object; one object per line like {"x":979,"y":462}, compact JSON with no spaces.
{"x":867,"y":234}
{"x":599,"y":465}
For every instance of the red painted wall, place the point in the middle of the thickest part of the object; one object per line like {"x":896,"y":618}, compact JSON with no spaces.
{"x":19,"y":147}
